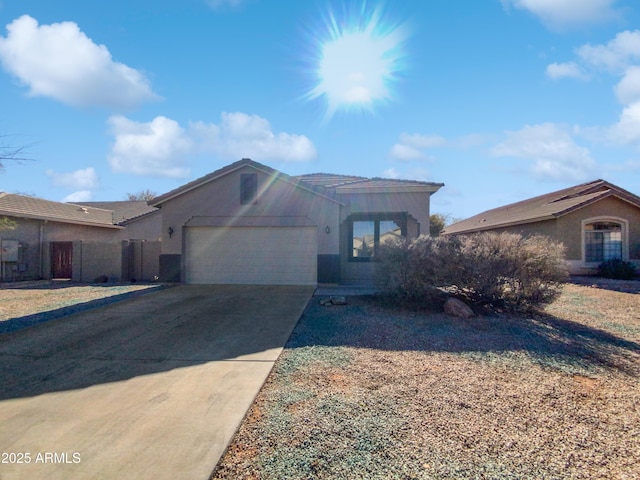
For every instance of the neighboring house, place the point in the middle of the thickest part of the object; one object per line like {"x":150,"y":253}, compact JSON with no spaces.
{"x":81,"y":242}
{"x":248,"y":223}
{"x":596,"y":221}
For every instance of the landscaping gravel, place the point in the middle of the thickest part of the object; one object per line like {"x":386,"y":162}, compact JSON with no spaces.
{"x":368,"y":391}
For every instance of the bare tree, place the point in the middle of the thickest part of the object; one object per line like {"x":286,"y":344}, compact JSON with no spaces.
{"x":11,"y":152}
{"x":143,"y":195}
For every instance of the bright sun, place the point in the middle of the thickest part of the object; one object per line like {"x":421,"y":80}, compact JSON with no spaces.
{"x":357,"y":62}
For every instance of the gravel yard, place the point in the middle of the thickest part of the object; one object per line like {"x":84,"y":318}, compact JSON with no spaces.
{"x":27,"y":303}
{"x":368,"y":391}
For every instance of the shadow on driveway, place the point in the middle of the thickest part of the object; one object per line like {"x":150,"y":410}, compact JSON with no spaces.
{"x":157,"y":332}
{"x":151,"y":387}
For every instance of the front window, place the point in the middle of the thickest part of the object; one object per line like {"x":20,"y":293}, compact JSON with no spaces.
{"x":602,"y":241}
{"x":370,"y":231}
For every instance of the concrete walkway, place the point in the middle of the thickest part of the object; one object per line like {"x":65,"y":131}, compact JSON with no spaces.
{"x":150,"y":388}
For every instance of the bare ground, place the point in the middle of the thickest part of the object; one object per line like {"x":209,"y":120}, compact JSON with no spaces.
{"x":49,"y":298}
{"x":367,"y":391}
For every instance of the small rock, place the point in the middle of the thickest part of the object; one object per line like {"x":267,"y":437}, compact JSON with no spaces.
{"x":457,"y":308}
{"x":338,"y":300}
{"x":333,"y":301}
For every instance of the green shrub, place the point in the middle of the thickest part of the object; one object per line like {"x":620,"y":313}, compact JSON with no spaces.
{"x":617,"y":268}
{"x":500,"y":270}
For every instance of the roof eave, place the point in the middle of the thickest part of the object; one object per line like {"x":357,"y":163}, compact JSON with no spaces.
{"x":431,"y":189}
{"x":10,"y":213}
{"x":500,"y":225}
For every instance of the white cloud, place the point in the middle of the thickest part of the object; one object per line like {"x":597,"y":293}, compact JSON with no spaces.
{"x":239,"y":135}
{"x":422,"y":141}
{"x":627,"y":130}
{"x":156,"y":148}
{"x":406,"y":152}
{"x":564,"y":70}
{"x":59,"y":61}
{"x":551,"y":150}
{"x":560,"y":14}
{"x":412,"y":146}
{"x":616,"y":55}
{"x":162,"y":147}
{"x":85,"y":178}
{"x":80,"y":196}
{"x":391,"y":173}
{"x":419,"y":174}
{"x":628,"y":90}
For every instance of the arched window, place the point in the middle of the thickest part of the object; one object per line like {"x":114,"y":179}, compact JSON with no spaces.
{"x":603,"y":240}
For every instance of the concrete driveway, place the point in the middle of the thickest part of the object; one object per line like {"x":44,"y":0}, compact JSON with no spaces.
{"x":149,"y":388}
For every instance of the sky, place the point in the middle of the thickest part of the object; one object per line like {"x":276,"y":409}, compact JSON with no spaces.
{"x":500,"y":100}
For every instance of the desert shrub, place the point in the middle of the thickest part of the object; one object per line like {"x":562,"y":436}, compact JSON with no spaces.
{"x":412,"y":271}
{"x":500,"y":270}
{"x":510,"y":271}
{"x":617,"y":268}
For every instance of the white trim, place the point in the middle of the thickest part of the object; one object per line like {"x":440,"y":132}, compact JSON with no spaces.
{"x":604,"y":218}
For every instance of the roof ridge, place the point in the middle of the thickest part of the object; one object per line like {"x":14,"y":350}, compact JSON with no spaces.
{"x":581,"y":189}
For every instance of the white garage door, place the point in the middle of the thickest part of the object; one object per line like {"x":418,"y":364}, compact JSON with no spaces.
{"x":262,"y":255}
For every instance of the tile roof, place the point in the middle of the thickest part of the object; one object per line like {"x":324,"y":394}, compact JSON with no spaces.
{"x":543,"y":207}
{"x":328,"y":180}
{"x":30,"y":207}
{"x":353,"y":184}
{"x":325,"y":184}
{"x":124,"y":210}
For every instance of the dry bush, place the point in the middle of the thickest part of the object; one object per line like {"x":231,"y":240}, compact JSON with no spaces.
{"x":500,"y":270}
{"x":412,"y":271}
{"x":510,"y":271}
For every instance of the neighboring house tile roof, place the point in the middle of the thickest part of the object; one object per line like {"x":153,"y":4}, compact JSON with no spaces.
{"x":36,"y":208}
{"x":123,"y":210}
{"x":543,"y":207}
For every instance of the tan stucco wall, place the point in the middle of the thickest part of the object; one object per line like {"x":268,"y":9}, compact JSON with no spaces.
{"x":35,"y":237}
{"x":415,"y":204}
{"x":148,"y":227}
{"x":570,"y":225}
{"x":278,"y":198}
{"x":27,"y":233}
{"x":95,"y":259}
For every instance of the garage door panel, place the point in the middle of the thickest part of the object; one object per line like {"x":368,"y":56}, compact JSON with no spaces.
{"x":251,"y":255}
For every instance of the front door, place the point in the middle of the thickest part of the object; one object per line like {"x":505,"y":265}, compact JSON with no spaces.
{"x":61,"y":256}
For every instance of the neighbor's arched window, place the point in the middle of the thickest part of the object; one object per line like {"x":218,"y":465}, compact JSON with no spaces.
{"x":603,"y":241}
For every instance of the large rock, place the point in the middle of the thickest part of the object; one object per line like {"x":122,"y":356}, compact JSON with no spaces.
{"x":457,"y":308}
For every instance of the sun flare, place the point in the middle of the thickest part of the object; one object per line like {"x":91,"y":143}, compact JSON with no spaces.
{"x":357,"y":60}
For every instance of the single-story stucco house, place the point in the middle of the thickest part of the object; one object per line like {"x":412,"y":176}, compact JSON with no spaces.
{"x":248,"y":223}
{"x":596,"y":221}
{"x":116,"y":240}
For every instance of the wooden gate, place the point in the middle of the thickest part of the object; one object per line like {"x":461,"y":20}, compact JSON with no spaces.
{"x":61,"y":259}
